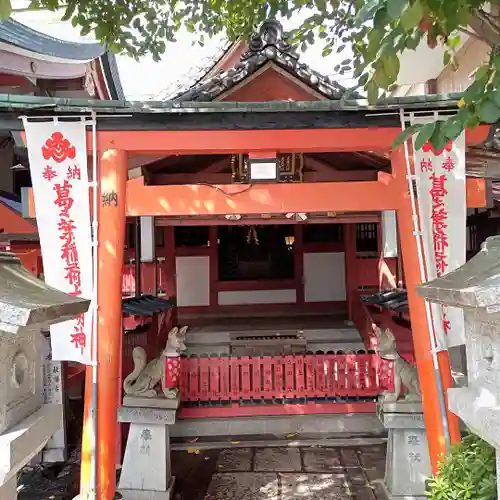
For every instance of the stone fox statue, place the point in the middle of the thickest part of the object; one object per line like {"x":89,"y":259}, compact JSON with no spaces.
{"x":405,"y":375}
{"x":146,"y":376}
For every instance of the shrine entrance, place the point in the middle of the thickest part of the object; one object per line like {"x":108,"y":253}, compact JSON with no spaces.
{"x":222,"y":129}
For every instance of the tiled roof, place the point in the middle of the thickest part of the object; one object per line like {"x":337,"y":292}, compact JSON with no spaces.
{"x":269,"y":45}
{"x":19,"y":35}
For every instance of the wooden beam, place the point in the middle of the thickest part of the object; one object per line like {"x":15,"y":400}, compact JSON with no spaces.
{"x":203,"y":200}
{"x":350,"y":218}
{"x":205,"y":177}
{"x":184,"y":142}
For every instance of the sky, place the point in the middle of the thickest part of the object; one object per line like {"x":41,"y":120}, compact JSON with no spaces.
{"x":181,"y":63}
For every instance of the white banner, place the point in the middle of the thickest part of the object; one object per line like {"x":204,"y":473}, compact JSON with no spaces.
{"x":57,"y":153}
{"x":442,"y":205}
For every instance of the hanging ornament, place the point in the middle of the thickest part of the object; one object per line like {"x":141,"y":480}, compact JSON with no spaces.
{"x":252,"y":236}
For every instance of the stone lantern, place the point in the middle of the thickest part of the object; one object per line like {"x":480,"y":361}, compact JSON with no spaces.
{"x":475,"y":287}
{"x":27,"y":306}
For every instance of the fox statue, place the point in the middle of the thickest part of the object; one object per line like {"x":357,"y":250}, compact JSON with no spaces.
{"x":405,"y":375}
{"x":146,"y":376}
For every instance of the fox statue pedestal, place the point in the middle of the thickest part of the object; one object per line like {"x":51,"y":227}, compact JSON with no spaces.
{"x":407,"y":465}
{"x":146,"y":472}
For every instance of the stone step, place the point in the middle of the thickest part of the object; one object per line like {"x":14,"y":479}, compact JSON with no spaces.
{"x":279,"y":426}
{"x":349,"y":440}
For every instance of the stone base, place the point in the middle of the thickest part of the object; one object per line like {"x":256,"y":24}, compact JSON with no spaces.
{"x":146,"y":464}
{"x":21,"y":443}
{"x":148,"y":495}
{"x":382,"y":492}
{"x":408,"y":463}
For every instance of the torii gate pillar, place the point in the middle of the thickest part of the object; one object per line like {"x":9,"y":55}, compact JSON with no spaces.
{"x":419,"y":324}
{"x":111,"y":238}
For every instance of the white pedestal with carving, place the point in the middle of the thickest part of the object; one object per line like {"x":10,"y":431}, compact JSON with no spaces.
{"x":146,"y":470}
{"x":408,"y":464}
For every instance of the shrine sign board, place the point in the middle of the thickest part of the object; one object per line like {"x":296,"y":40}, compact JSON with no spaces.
{"x":441,"y":188}
{"x":58,"y":164}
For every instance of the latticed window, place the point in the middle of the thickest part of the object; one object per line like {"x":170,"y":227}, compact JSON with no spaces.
{"x":367,"y":237}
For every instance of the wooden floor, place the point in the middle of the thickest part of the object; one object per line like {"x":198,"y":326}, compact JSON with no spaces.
{"x":281,"y":323}
{"x":322,"y":332}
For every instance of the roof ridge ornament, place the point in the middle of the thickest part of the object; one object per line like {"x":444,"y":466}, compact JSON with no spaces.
{"x":269,"y":38}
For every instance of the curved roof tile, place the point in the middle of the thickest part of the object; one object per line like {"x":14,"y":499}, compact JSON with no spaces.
{"x":19,"y":35}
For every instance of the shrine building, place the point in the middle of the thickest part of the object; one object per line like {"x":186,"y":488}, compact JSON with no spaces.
{"x":268,"y":213}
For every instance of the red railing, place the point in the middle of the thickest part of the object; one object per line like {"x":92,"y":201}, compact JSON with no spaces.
{"x":309,"y":377}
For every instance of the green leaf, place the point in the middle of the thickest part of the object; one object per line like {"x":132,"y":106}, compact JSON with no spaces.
{"x":488,"y":112}
{"x":412,"y":16}
{"x":391,"y":67}
{"x":5,"y":9}
{"x":495,"y":95}
{"x":424,"y":135}
{"x":405,"y":134}
{"x":372,"y":90}
{"x":452,"y":127}
{"x":395,"y":8}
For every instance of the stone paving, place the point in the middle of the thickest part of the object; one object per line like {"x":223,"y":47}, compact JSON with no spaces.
{"x":283,"y":473}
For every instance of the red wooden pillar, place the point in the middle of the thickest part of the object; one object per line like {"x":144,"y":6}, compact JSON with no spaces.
{"x":419,"y":324}
{"x":111,"y":237}
{"x":351,"y":274}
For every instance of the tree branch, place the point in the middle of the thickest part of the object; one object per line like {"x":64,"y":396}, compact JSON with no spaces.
{"x":484,"y":31}
{"x":465,"y":31}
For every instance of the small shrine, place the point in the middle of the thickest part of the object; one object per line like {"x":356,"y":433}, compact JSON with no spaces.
{"x":27,"y":306}
{"x":475,"y":288}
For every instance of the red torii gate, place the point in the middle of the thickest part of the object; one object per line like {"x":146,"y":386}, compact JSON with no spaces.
{"x":134,"y":198}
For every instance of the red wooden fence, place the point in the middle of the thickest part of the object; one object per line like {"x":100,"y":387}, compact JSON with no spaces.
{"x":272,"y":379}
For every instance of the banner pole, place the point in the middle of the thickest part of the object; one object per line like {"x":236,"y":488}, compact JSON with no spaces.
{"x":95,"y":245}
{"x":417,"y":232}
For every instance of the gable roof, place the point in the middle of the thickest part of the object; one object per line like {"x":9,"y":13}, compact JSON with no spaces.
{"x":269,"y":45}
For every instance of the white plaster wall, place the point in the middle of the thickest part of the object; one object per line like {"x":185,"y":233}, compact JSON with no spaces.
{"x":324,"y":277}
{"x":389,"y":234}
{"x":193,"y":280}
{"x":257,"y":297}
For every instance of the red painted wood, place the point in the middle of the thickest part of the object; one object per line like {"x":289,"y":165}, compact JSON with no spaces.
{"x":204,"y":379}
{"x":279,"y":386}
{"x":267,"y":367}
{"x":312,"y":408}
{"x":310,"y":374}
{"x":320,"y":375}
{"x":231,"y":286}
{"x":256,"y":378}
{"x":341,"y":371}
{"x":352,"y":383}
{"x":194,"y":379}
{"x":235,"y":379}
{"x":215,"y":390}
{"x":225,"y":381}
{"x":278,"y":377}
{"x":246,"y":391}
{"x":289,"y":376}
{"x":300,"y":381}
